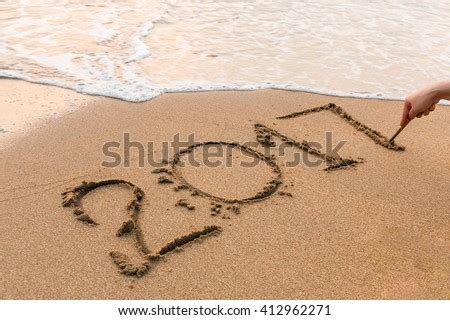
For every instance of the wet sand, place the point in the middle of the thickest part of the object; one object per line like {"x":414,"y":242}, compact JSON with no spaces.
{"x":373,"y":227}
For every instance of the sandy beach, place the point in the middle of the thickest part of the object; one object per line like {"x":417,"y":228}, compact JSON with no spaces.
{"x":376,"y":230}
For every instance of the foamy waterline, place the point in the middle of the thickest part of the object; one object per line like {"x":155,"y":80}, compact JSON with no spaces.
{"x":201,"y":87}
{"x":223,"y":87}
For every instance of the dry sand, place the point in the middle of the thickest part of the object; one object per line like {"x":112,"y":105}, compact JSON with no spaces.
{"x":379,"y":229}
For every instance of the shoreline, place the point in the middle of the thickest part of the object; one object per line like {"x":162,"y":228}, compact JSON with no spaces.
{"x":219,"y":88}
{"x":356,"y":233}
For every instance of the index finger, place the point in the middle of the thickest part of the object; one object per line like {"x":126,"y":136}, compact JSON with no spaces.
{"x":406,"y":108}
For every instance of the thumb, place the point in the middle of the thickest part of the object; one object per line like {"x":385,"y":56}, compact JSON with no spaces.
{"x":414,"y":113}
{"x":405,"y":116}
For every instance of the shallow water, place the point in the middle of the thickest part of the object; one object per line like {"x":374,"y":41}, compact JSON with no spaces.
{"x":135,"y":50}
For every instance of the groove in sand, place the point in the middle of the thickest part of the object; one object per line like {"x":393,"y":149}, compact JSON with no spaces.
{"x":375,"y":135}
{"x":270,"y":189}
{"x":265,"y":136}
{"x":73,"y":198}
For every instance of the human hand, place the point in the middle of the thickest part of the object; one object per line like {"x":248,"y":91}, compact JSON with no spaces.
{"x":418,"y":104}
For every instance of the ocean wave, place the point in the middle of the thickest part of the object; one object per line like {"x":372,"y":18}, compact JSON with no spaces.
{"x":136,"y":51}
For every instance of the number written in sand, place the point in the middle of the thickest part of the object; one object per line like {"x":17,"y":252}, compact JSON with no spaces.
{"x":374,"y":135}
{"x":264,"y":135}
{"x":73,"y":198}
{"x":269,"y":189}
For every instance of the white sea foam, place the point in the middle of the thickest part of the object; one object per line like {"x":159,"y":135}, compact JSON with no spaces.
{"x":136,"y":50}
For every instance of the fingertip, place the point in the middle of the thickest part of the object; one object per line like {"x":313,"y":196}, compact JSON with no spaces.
{"x":405,"y":114}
